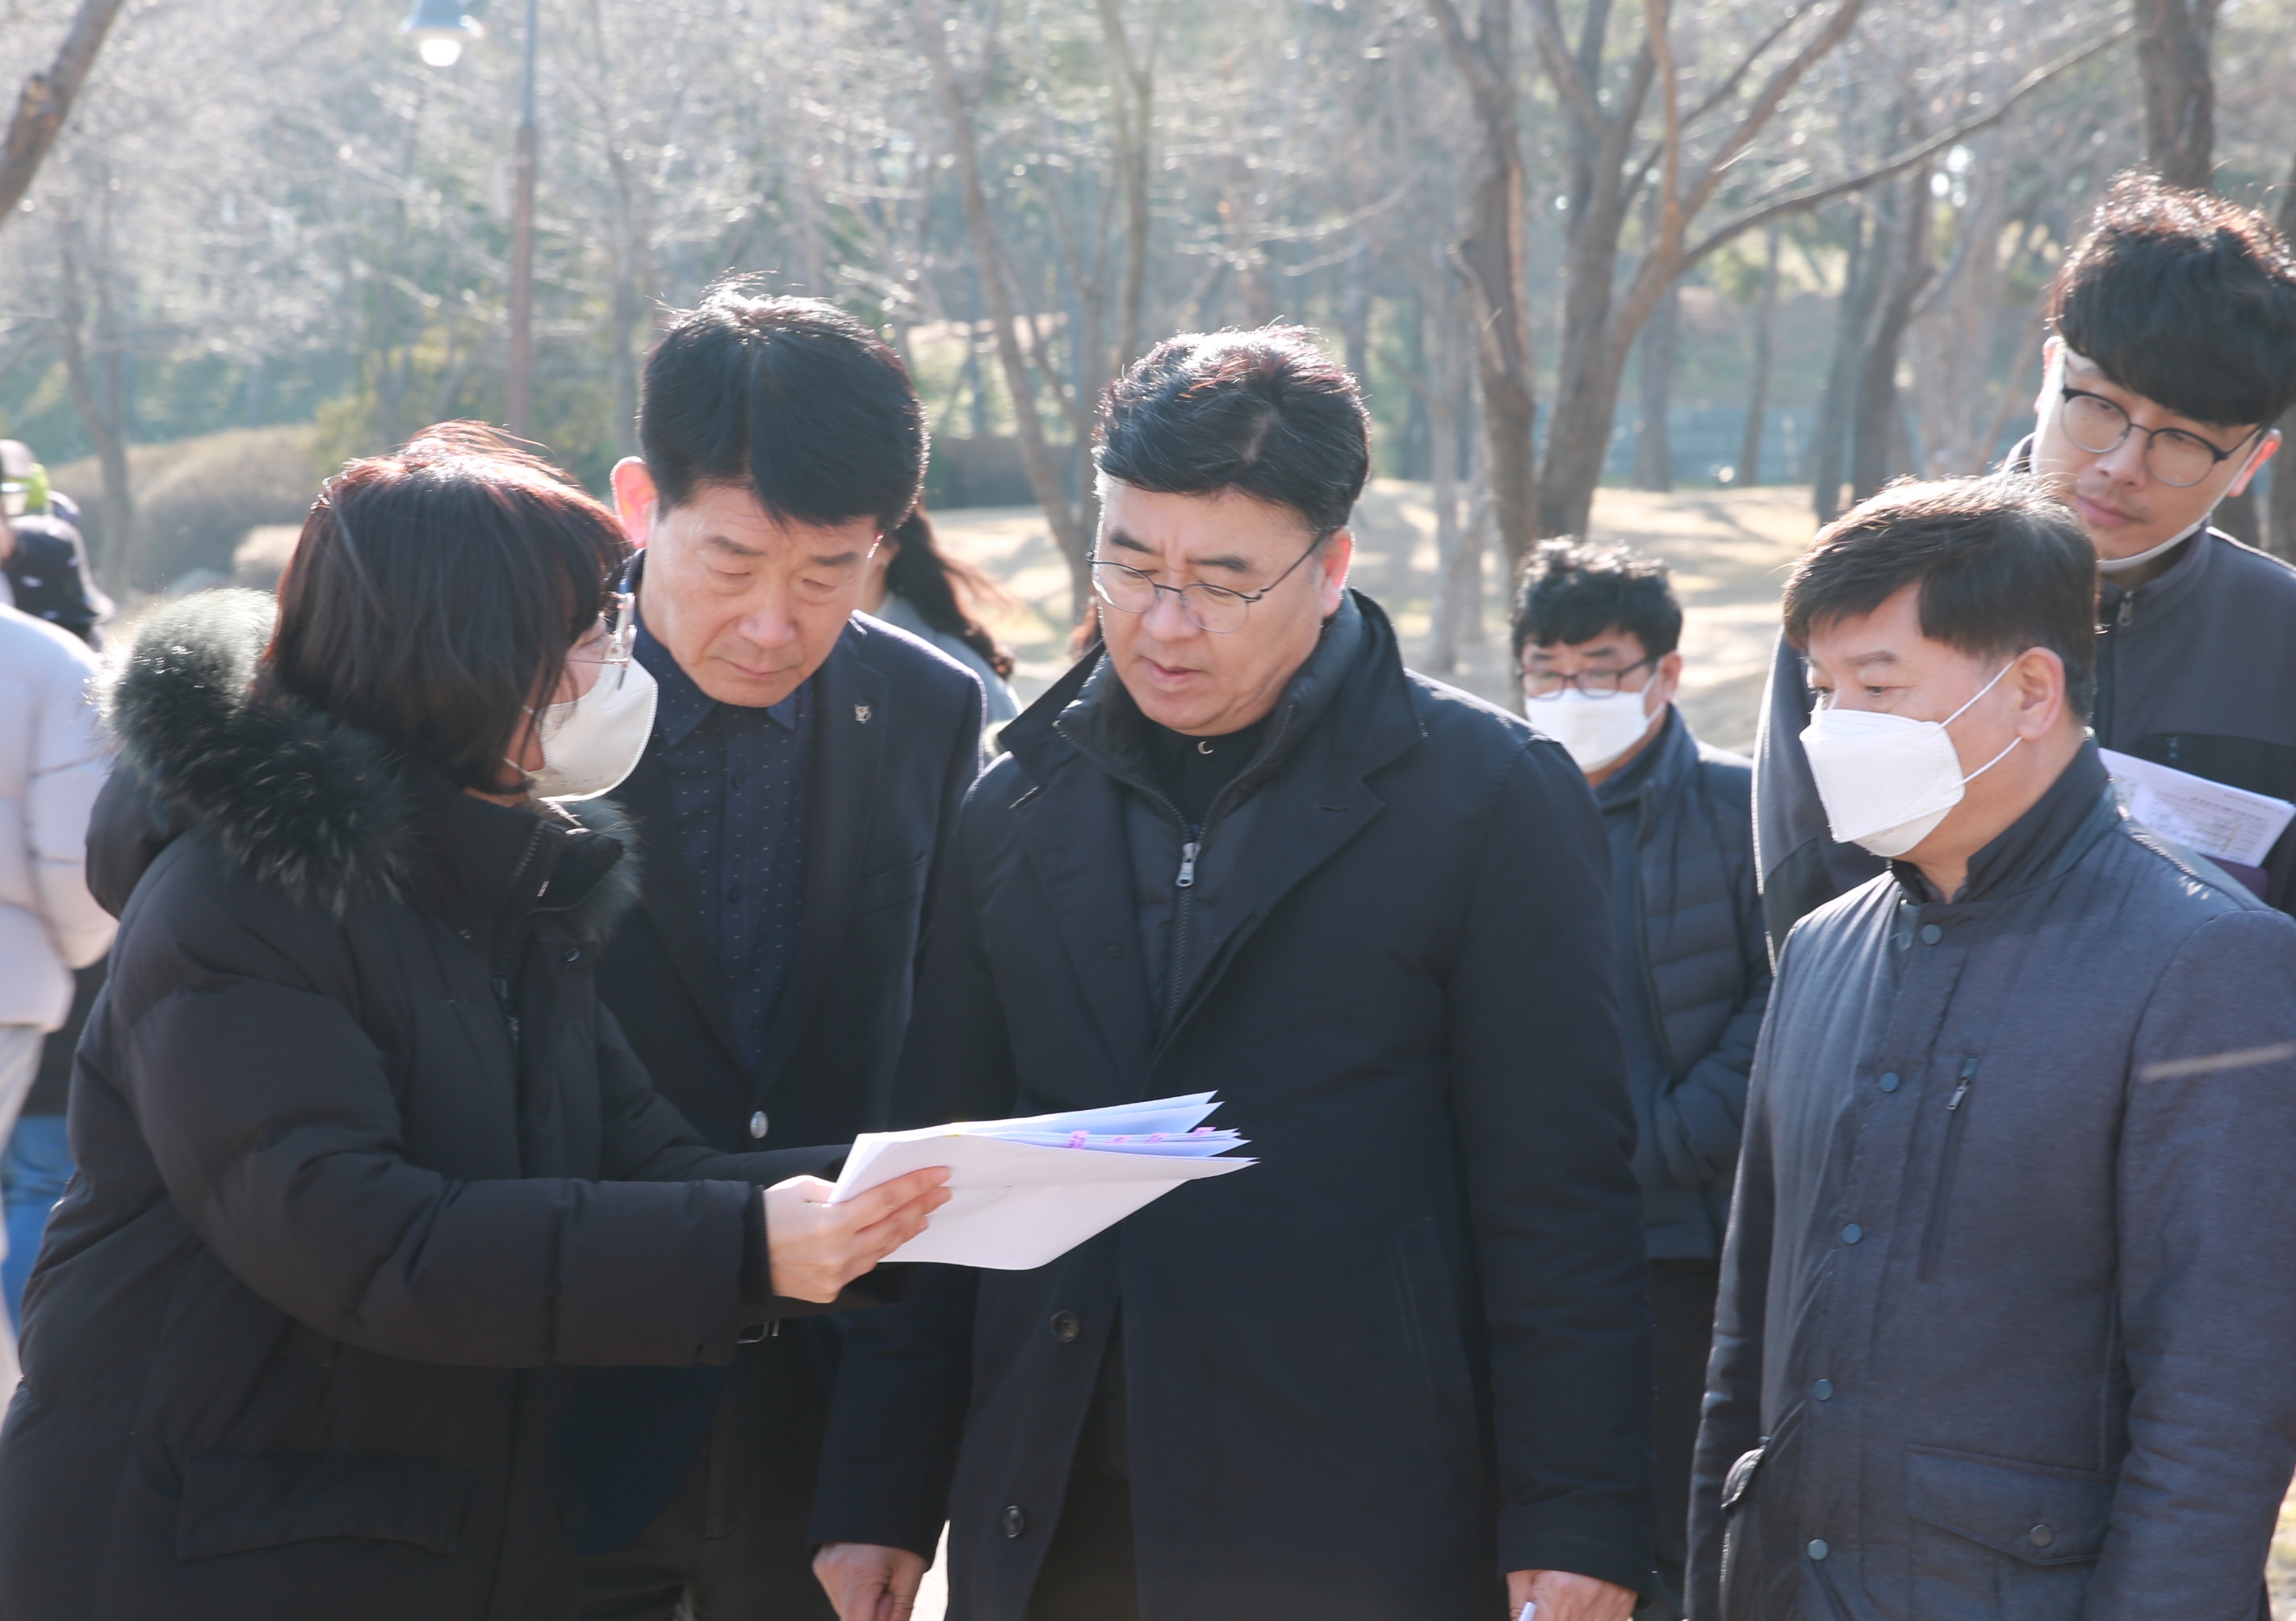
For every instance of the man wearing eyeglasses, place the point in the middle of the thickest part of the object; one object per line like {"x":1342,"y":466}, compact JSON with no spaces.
{"x":1400,"y":1367}
{"x":1595,"y":637}
{"x":2173,"y":351}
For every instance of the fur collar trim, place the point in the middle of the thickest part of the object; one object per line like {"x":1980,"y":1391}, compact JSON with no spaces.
{"x":322,"y":811}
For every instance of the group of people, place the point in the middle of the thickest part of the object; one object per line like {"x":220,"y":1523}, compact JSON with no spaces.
{"x":1845,"y":1184}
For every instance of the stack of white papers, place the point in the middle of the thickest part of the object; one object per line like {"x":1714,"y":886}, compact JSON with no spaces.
{"x":2222,"y":823}
{"x":1027,"y":1192}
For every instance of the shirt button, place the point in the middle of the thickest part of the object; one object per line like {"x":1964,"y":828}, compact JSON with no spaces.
{"x":1932,"y":934}
{"x":1888,"y":1083}
{"x":1115,"y":952}
{"x":732,"y":897}
{"x":1015,"y":1521}
{"x":1817,"y":1548}
{"x":1066,"y":1327}
{"x":573,"y":953}
{"x":758,"y":1124}
{"x":1852,"y":1233}
{"x":1823,"y":1390}
{"x":2041,"y":1535}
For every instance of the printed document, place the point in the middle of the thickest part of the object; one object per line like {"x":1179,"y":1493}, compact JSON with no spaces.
{"x":2222,"y":823}
{"x":1026,"y":1191}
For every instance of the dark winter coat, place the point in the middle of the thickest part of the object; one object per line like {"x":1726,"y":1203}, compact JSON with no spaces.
{"x":364,"y":1168}
{"x":2010,"y":1280}
{"x":2196,"y":669}
{"x":896,"y":741}
{"x":1407,"y":1351}
{"x":1706,"y":976}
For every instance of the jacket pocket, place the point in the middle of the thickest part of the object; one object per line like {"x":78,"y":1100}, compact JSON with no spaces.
{"x":236,"y":1503}
{"x":1956,"y":1122}
{"x":1428,"y":1305}
{"x":1997,"y":1537}
{"x":895,"y":886}
{"x":1745,"y":1572}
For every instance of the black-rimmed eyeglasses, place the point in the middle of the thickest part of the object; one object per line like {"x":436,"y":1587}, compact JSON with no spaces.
{"x":2174,"y":457}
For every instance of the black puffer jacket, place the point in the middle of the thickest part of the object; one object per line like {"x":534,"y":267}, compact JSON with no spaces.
{"x":363,"y":1166}
{"x":1706,"y":981}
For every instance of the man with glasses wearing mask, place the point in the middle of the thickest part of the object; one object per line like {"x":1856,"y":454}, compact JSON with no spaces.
{"x":1401,"y":1365}
{"x":2011,"y":1276}
{"x":2172,"y":351}
{"x":1594,"y":636}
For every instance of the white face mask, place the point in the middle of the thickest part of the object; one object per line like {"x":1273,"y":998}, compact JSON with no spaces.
{"x":1887,"y":780}
{"x":1596,"y":731}
{"x":590,"y":743}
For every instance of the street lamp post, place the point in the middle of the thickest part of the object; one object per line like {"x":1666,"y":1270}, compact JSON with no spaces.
{"x":439,"y":31}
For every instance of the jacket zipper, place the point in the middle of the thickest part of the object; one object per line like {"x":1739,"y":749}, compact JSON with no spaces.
{"x":1933,"y":1240}
{"x":1184,"y":883}
{"x":501,"y":947}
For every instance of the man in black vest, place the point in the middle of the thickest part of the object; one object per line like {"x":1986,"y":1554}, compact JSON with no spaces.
{"x":805,"y":768}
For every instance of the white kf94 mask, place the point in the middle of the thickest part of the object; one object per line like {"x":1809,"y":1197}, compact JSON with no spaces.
{"x":1595,"y":730}
{"x":590,"y":743}
{"x":1887,"y":780}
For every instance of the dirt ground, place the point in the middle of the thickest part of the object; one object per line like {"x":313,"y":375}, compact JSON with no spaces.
{"x":1730,"y":550}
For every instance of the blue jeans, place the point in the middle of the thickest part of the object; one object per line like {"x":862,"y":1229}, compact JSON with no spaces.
{"x":32,"y":1173}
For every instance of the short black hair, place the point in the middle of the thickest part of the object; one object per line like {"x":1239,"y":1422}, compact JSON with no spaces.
{"x":792,"y":398}
{"x":435,"y":594}
{"x":1573,"y":591}
{"x":2186,"y":298}
{"x":1265,"y":412}
{"x":2002,"y":563}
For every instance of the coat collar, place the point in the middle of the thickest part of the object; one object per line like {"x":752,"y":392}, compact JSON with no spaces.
{"x":1348,"y":713}
{"x":2055,"y":831}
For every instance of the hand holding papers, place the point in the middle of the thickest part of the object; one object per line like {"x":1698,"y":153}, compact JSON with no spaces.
{"x":2222,"y":823}
{"x":1026,"y":1191}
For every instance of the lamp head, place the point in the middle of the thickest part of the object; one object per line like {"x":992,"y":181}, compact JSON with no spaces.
{"x":439,"y":30}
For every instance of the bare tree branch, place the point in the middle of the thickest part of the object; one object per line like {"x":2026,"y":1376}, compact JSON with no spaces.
{"x":1762,"y":214}
{"x":46,"y":100}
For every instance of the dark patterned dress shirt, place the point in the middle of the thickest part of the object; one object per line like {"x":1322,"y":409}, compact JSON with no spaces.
{"x":737,"y":786}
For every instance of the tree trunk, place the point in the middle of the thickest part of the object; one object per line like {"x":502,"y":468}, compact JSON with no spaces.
{"x":1877,"y":454}
{"x":46,"y":100}
{"x":1491,"y":256}
{"x":2173,"y":41}
{"x":1829,"y":444}
{"x":1067,"y":521}
{"x":1654,"y":444}
{"x":99,"y":403}
{"x":1758,"y":393}
{"x":2280,"y":472}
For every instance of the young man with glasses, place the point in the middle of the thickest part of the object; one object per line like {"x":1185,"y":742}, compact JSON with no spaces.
{"x":1400,"y":1367}
{"x":1595,"y":635}
{"x":2172,"y":351}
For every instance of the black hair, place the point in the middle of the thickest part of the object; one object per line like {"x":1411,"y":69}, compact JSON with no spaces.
{"x":792,"y":398}
{"x":2186,"y":299}
{"x":1265,"y":411}
{"x":2001,"y":564}
{"x":927,"y":580}
{"x":435,"y":594}
{"x":1573,"y":591}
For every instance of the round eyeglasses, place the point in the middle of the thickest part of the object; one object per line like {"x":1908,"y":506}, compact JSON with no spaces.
{"x":2174,"y":457}
{"x":1594,"y":684}
{"x":1215,"y":609}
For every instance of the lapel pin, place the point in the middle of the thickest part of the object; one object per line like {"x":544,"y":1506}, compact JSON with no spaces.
{"x":861,"y":713}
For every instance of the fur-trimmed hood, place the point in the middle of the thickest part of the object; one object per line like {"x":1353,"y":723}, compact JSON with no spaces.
{"x":322,"y":811}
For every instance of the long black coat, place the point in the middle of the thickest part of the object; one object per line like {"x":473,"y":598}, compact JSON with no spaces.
{"x":362,"y":1167}
{"x":896,"y":741}
{"x":1406,"y":1351}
